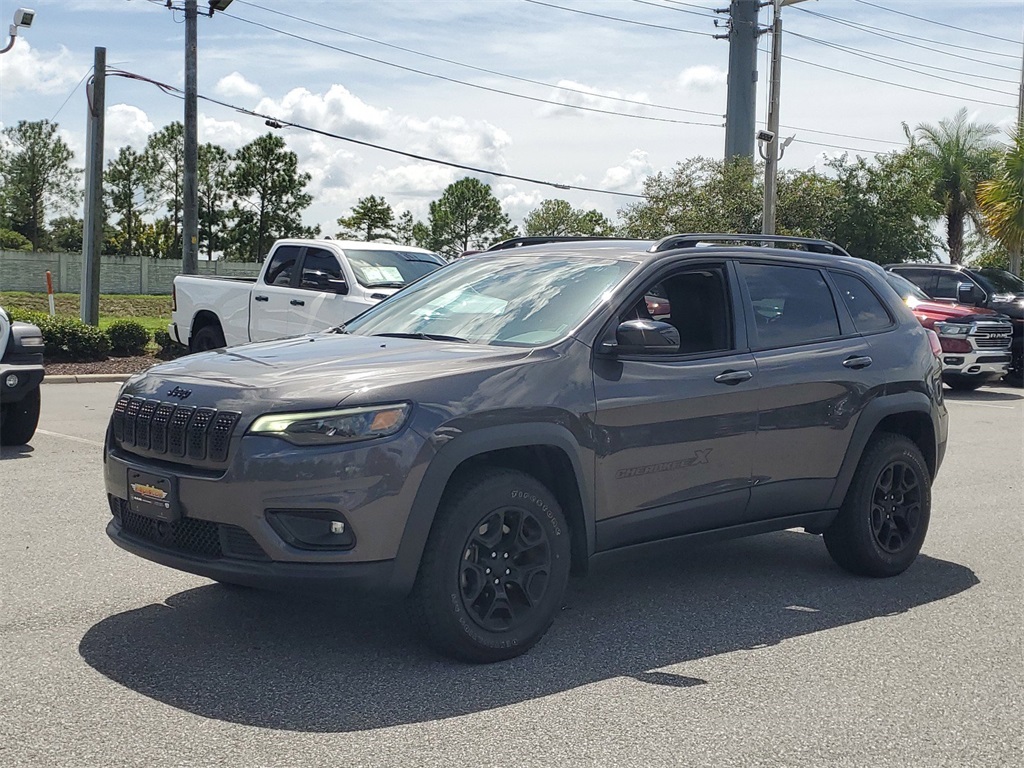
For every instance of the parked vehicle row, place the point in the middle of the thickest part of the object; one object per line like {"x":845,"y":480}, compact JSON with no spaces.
{"x":506,"y":420}
{"x":304,"y":286}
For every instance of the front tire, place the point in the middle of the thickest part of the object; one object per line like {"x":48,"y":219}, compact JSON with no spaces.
{"x":883,"y":520}
{"x":18,"y":421}
{"x":495,"y":567}
{"x":963,"y":384}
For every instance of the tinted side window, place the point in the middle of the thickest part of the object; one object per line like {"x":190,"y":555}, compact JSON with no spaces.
{"x":282,"y":265}
{"x":318,"y":265}
{"x":867,"y":310}
{"x":945,"y":287}
{"x":922,"y":278}
{"x":792,"y":305}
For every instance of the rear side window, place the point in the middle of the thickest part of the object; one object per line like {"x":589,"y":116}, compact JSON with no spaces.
{"x":922,"y":278}
{"x":282,"y":265}
{"x":792,"y":305}
{"x":868,"y":312}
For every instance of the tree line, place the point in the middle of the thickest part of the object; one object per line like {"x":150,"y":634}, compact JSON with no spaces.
{"x":885,"y":209}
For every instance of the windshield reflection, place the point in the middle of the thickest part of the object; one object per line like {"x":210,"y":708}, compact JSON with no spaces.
{"x":499,"y":300}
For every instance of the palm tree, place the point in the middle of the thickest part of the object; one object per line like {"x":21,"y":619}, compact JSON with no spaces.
{"x":958,"y":154}
{"x":1001,"y":199}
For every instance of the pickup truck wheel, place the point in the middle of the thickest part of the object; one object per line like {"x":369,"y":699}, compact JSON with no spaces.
{"x":883,"y":520}
{"x":208,"y":337}
{"x":18,"y":420}
{"x":495,"y":568}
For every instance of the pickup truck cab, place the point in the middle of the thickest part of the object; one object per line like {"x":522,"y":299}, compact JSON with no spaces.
{"x":304,"y":286}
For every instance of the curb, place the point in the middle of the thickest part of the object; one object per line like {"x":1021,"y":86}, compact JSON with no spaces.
{"x":86,"y":378}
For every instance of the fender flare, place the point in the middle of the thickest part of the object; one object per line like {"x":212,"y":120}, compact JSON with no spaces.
{"x":875,"y":412}
{"x":444,"y":464}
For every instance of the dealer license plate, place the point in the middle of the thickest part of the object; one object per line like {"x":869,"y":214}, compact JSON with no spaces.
{"x":152,"y":496}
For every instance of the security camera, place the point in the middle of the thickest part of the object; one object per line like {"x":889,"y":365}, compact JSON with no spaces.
{"x":765,"y":136}
{"x":23,"y":17}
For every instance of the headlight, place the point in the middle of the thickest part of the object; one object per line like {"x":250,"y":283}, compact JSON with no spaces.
{"x":952,"y":329}
{"x":347,"y":425}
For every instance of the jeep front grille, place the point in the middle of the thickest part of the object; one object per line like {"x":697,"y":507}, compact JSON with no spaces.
{"x":172,"y":431}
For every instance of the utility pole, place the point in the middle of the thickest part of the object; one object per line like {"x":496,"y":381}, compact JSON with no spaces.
{"x":1020,"y":96}
{"x":771,"y":143}
{"x":190,"y":195}
{"x":741,"y":101}
{"x":92,"y":231}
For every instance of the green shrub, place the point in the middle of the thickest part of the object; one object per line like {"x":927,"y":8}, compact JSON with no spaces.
{"x":127,"y":338}
{"x":169,"y":348}
{"x":26,"y":316}
{"x":72,"y":340}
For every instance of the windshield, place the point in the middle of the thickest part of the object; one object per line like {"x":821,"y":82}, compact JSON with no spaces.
{"x":499,"y":300}
{"x":905,"y":288}
{"x":391,"y":269}
{"x":999,"y":281}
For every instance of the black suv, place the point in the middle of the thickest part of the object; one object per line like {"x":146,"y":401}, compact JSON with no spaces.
{"x":504,"y":420}
{"x":21,"y":372}
{"x":994,"y":289}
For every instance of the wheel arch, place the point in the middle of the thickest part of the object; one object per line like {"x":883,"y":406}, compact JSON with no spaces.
{"x":908,"y":414}
{"x":548,"y":452}
{"x":203,"y":318}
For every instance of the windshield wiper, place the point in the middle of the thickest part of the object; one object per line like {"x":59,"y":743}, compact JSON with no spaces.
{"x":391,"y":284}
{"x":424,"y":336}
{"x":337,"y":329}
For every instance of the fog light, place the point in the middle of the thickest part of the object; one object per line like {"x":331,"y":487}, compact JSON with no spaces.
{"x":312,"y":529}
{"x":12,"y":380}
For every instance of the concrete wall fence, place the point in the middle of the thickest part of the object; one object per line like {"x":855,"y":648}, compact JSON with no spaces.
{"x":26,"y":271}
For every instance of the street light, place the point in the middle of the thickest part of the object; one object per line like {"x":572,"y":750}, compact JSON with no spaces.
{"x":769,"y":146}
{"x":23,"y":17}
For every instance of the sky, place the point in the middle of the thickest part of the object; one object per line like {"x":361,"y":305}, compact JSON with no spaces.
{"x":498,"y":85}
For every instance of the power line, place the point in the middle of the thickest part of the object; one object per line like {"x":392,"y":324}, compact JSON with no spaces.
{"x":469,"y":84}
{"x":710,"y":11}
{"x":706,"y":15}
{"x":471,"y":66}
{"x":275,"y":122}
{"x":881,"y":33}
{"x":624,"y":21}
{"x":937,"y":23}
{"x":854,"y":52}
{"x":897,"y":85}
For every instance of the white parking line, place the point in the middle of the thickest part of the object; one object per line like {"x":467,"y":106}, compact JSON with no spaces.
{"x":70,"y":437}
{"x":989,"y":405}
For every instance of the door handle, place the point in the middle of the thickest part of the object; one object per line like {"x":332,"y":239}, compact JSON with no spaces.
{"x":733,"y":377}
{"x":857,"y":362}
{"x":297,"y":303}
{"x":260,"y":298}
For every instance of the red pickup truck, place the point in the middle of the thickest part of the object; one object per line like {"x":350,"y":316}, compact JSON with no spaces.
{"x":975,"y":341}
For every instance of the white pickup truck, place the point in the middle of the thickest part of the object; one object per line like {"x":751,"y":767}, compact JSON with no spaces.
{"x":304,"y":286}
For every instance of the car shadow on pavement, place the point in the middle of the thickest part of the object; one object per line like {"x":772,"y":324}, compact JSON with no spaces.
{"x":16,"y":452}
{"x":983,"y":395}
{"x":324,"y":665}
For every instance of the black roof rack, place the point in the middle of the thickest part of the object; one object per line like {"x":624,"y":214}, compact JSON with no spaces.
{"x":692,"y":240}
{"x":518,"y":242}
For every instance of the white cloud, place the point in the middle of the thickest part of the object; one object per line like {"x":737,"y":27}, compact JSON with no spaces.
{"x":338,"y":111}
{"x":702,"y":78}
{"x":126,"y":126}
{"x":629,"y":176}
{"x":229,"y":134}
{"x":26,"y":69}
{"x":568,"y":93}
{"x":456,"y":139}
{"x":236,"y":86}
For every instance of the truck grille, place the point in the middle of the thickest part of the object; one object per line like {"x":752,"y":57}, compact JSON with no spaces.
{"x":992,"y":335}
{"x":188,"y":535}
{"x":172,"y":430}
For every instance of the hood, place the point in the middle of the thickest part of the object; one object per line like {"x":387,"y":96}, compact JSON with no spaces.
{"x":941,"y":310}
{"x":323,"y":368}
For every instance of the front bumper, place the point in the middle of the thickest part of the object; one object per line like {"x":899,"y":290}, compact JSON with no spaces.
{"x":336,"y":578}
{"x":986,"y":365}
{"x":29,"y":377}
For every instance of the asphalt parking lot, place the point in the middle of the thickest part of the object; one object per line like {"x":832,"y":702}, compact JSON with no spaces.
{"x":757,"y":652}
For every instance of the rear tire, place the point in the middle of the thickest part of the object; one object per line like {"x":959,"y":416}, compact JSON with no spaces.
{"x":883,"y":520}
{"x":18,"y":421}
{"x":495,"y":567}
{"x":206,"y":338}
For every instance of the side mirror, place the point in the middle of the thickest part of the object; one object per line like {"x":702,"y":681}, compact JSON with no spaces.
{"x":645,"y":337}
{"x":323,"y":281}
{"x":968,"y":293}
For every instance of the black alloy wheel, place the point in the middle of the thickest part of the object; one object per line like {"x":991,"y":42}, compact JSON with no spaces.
{"x":505,"y":569}
{"x":896,"y":506}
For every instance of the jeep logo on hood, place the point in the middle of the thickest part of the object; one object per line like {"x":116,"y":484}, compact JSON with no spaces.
{"x":180,"y":393}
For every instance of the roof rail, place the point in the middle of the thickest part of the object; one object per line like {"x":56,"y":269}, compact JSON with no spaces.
{"x":811,"y":244}
{"x":518,"y":242}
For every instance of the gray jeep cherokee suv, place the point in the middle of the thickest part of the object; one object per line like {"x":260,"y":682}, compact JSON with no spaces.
{"x":507,"y":418}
